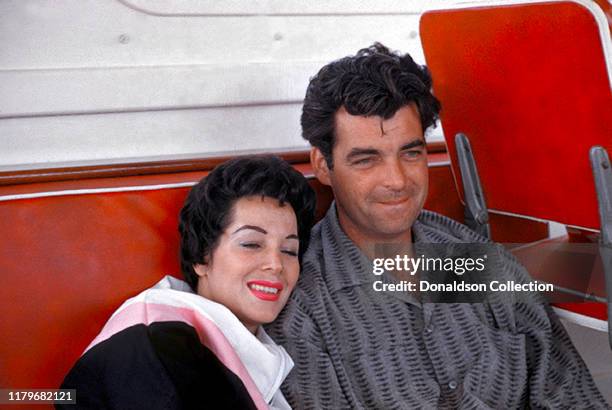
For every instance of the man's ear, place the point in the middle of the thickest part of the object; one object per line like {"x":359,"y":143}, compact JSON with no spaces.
{"x":319,"y":166}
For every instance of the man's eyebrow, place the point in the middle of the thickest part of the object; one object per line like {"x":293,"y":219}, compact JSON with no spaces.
{"x":292,"y":236}
{"x":413,"y":144}
{"x":253,"y":227}
{"x":355,"y":152}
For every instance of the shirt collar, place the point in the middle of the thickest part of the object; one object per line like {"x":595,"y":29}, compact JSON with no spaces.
{"x":345,"y":265}
{"x":348,"y":266}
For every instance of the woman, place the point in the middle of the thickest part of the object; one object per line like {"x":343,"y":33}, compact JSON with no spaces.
{"x":200,"y":343}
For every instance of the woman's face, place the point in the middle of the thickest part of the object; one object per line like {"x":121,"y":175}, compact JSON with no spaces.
{"x":255,"y":265}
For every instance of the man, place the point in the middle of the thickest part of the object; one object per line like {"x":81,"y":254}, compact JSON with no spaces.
{"x":357,"y":348}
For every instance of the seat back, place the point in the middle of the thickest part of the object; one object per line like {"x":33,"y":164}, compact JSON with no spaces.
{"x":529,"y":83}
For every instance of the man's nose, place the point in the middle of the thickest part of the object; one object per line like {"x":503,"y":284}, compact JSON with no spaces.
{"x":395,"y":177}
{"x":273,"y":262}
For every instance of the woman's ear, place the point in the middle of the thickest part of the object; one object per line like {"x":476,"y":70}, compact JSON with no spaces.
{"x":201,"y":269}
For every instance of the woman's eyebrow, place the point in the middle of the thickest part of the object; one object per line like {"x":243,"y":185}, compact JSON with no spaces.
{"x":253,"y":227}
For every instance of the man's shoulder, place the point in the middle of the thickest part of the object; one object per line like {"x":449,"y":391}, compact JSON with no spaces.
{"x":312,"y":261}
{"x":436,"y":228}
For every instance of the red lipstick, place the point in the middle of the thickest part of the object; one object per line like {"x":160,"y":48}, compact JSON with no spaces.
{"x":265,"y":290}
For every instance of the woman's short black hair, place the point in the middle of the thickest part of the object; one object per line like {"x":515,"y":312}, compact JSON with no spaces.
{"x":208,"y":207}
{"x":375,"y":81}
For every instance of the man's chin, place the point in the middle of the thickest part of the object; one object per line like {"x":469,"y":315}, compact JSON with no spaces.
{"x":399,"y":232}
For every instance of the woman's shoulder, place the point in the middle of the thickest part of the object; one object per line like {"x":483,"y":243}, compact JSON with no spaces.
{"x":122,"y":372}
{"x":150,"y":355}
{"x":159,"y":365}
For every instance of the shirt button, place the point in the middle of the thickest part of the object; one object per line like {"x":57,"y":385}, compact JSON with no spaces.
{"x":452,"y":385}
{"x":429,"y":329}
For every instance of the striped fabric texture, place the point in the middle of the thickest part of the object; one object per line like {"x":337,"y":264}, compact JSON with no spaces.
{"x":355,"y":348}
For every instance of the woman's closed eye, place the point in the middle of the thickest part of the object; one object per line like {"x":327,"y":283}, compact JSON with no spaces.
{"x":291,"y":252}
{"x":250,"y":245}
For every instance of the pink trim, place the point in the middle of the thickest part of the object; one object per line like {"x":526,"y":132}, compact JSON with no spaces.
{"x":209,"y":333}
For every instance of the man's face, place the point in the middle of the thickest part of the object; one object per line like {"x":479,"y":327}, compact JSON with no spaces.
{"x":379,"y":174}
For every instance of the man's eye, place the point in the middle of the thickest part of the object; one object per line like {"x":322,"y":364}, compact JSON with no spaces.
{"x":412,"y":154}
{"x":250,"y":245}
{"x":363,"y":161}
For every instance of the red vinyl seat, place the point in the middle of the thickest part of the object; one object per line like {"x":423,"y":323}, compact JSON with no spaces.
{"x":529,"y":83}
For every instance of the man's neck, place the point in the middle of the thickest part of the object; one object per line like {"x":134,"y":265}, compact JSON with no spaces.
{"x":376,"y":244}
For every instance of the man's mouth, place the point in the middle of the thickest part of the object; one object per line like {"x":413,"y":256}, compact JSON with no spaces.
{"x":396,"y":201}
{"x":265,"y":290}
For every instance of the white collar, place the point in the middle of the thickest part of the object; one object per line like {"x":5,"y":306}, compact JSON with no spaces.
{"x":267,"y":363}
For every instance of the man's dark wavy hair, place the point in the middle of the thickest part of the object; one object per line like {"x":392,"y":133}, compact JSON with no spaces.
{"x":375,"y":81}
{"x":208,"y":208}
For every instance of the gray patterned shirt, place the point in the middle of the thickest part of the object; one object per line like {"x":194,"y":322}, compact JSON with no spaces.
{"x":355,"y":348}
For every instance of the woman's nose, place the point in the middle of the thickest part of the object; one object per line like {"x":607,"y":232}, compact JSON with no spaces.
{"x":273,"y":261}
